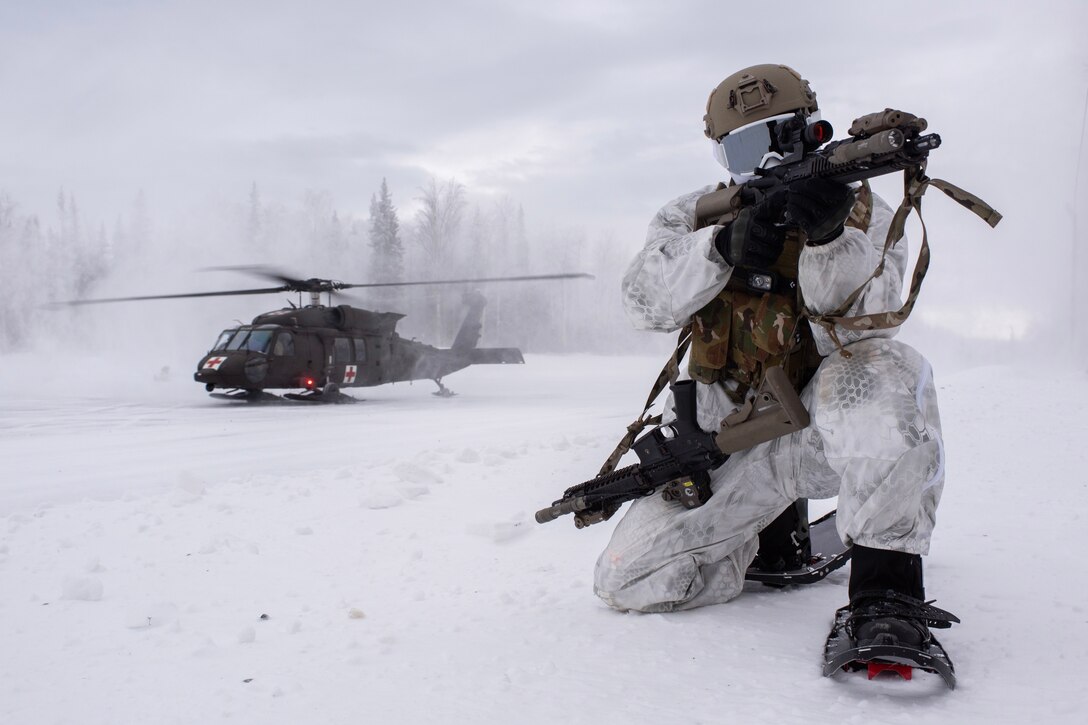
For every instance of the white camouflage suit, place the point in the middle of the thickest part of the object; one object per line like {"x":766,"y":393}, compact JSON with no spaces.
{"x":874,"y":439}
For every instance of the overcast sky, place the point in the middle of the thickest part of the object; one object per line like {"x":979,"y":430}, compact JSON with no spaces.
{"x":588,"y":113}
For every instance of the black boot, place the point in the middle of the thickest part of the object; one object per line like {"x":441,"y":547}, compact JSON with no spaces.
{"x":887,"y":600}
{"x":879,"y":569}
{"x":784,"y":545}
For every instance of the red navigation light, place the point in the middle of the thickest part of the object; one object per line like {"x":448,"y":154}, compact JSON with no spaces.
{"x":308,"y":383}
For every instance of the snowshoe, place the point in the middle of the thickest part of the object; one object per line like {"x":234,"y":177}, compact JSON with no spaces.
{"x":889,"y":631}
{"x":818,"y":552}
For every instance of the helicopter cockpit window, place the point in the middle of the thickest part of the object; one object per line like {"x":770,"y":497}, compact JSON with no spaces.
{"x":342,"y":350}
{"x":259,"y":340}
{"x":285,"y":345}
{"x":238,"y":340}
{"x":224,"y":338}
{"x":360,"y":350}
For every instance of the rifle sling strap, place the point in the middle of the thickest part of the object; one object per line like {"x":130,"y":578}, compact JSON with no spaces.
{"x":668,"y":375}
{"x":914,"y":187}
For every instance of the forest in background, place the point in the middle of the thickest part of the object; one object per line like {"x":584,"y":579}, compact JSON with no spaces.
{"x":441,"y":230}
{"x":438,"y":231}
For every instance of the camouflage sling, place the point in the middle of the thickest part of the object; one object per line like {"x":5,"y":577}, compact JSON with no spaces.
{"x":668,"y":375}
{"x":914,"y":188}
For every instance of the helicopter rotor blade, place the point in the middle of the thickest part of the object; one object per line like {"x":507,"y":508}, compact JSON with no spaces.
{"x":474,"y":280}
{"x":291,"y":284}
{"x":257,"y":270}
{"x":225,"y":293}
{"x":314,"y":285}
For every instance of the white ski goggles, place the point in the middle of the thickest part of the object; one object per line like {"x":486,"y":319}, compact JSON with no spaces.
{"x":750,"y":147}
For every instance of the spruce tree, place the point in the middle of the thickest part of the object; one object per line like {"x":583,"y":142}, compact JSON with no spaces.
{"x":385,"y":242}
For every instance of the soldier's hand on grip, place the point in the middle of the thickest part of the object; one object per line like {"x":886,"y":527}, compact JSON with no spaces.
{"x":819,"y":207}
{"x":756,"y":237}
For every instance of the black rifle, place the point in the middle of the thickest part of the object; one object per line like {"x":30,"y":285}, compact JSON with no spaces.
{"x":679,"y":456}
{"x":880,"y":143}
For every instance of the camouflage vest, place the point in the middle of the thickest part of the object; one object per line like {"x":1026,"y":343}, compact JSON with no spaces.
{"x":755,"y":322}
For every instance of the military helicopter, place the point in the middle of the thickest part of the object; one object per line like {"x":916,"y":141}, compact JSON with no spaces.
{"x":324,"y":348}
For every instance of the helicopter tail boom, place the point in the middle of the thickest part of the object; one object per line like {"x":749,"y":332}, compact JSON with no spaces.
{"x":496,"y":356}
{"x":469,"y":334}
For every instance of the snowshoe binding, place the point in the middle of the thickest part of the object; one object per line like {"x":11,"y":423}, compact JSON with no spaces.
{"x":888,"y":631}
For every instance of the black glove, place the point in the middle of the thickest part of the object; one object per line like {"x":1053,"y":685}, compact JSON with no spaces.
{"x":756,"y":237}
{"x":820,"y":208}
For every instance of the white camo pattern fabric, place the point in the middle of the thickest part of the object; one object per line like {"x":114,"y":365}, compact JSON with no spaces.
{"x":678,"y":271}
{"x":875,"y":437}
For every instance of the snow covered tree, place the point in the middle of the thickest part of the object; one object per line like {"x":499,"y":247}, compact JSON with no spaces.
{"x":13,"y":258}
{"x":335,"y":240}
{"x":385,"y":241}
{"x":317,"y":210}
{"x":438,"y":222}
{"x":140,"y":228}
{"x":480,"y":260}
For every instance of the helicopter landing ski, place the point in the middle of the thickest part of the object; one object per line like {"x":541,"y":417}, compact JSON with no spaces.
{"x":331,"y":394}
{"x":443,"y":391}
{"x":251,"y":397}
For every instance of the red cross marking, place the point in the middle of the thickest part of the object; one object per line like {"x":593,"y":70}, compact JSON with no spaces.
{"x":349,"y":374}
{"x":214,"y":362}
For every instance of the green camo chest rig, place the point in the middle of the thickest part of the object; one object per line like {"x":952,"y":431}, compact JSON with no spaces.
{"x":755,"y":322}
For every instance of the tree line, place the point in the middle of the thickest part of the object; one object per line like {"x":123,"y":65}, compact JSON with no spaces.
{"x":447,"y":234}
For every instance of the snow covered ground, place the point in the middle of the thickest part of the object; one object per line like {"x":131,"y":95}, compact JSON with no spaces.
{"x":165,"y":558}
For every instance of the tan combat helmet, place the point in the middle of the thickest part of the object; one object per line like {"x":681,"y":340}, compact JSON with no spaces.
{"x":755,"y":93}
